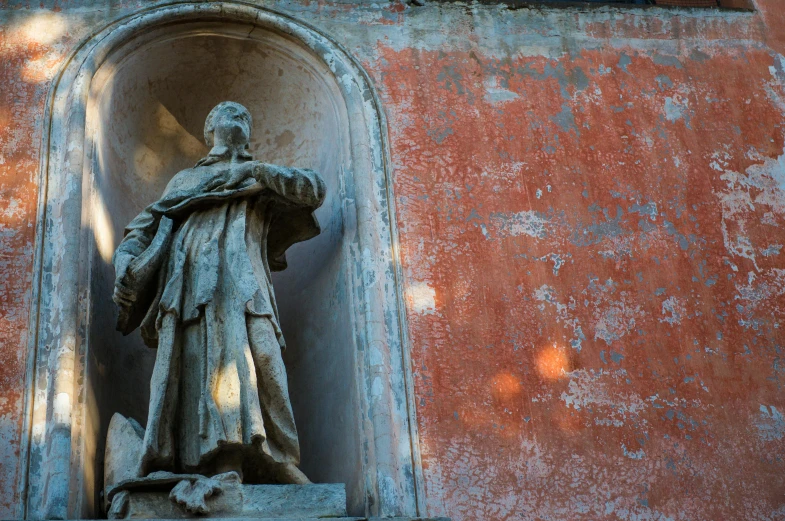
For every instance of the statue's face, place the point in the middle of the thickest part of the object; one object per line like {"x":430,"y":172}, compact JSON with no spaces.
{"x":232,"y":126}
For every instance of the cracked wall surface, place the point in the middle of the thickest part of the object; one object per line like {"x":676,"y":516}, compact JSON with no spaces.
{"x":590,"y":206}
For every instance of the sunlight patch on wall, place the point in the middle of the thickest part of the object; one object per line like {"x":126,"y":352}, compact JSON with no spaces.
{"x":421,"y":298}
{"x":44,"y":27}
{"x":103,"y":231}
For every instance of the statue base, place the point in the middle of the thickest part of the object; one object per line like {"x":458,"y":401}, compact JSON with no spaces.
{"x":216,"y":498}
{"x":167,"y":495}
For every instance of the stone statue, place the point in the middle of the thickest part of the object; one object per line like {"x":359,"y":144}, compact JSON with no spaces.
{"x":193,"y":273}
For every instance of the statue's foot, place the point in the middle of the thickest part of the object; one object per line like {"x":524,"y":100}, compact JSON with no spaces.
{"x":289,"y":474}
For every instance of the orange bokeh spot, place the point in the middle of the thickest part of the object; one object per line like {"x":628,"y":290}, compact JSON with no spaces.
{"x":552,"y":362}
{"x":505,"y":386}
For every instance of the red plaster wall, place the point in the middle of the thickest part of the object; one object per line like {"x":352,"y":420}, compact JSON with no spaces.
{"x":590,"y":244}
{"x":595,"y":300}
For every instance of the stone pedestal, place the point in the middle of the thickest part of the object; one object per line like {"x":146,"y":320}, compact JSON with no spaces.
{"x":233,"y":500}
{"x":167,"y":495}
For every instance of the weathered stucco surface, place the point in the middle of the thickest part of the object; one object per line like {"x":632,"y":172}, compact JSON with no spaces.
{"x":590,"y":206}
{"x":26,"y":59}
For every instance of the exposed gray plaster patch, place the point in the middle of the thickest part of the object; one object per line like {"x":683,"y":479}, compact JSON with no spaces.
{"x":531,"y":223}
{"x":668,"y":61}
{"x":770,"y":423}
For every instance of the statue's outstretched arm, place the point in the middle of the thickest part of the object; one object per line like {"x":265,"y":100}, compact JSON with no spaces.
{"x":298,"y":186}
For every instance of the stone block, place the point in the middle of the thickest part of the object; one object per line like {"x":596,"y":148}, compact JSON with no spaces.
{"x":315,"y":501}
{"x":123,"y":449}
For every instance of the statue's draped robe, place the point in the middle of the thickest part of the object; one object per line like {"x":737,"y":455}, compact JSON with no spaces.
{"x":219,"y":382}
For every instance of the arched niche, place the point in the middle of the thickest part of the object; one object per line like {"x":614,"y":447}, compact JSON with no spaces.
{"x":150,"y":107}
{"x":126,"y":115}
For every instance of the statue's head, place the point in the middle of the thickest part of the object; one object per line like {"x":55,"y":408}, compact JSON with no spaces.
{"x":228,"y":124}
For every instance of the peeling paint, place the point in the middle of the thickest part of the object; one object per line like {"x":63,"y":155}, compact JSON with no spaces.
{"x":580,"y":241}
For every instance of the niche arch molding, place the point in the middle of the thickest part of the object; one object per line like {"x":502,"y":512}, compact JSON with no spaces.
{"x":60,"y":478}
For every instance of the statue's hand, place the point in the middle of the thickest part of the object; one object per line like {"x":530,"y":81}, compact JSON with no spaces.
{"x":214,"y":183}
{"x":123,"y":296}
{"x":230,"y":178}
{"x":260,"y":171}
{"x":237,"y":176}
